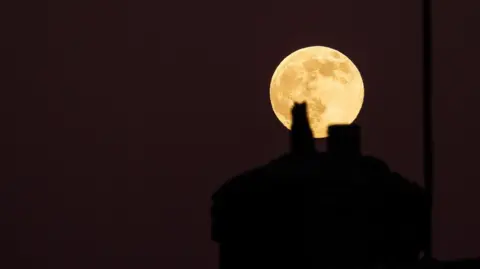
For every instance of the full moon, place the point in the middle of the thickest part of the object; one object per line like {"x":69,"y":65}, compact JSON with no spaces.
{"x":326,"y":80}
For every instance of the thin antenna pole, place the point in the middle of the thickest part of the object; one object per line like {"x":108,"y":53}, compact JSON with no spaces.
{"x":427,"y":119}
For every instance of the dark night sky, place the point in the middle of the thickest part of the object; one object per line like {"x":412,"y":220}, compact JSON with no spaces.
{"x":128,"y":114}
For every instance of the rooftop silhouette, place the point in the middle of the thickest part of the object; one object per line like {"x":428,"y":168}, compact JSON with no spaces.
{"x":309,"y":209}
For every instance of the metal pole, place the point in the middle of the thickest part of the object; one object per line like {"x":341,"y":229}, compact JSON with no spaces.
{"x":427,"y":119}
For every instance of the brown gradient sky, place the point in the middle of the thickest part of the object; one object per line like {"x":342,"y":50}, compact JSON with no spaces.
{"x":128,"y":114}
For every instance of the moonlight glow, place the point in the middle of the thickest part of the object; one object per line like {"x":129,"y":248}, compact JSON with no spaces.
{"x":323,"y":77}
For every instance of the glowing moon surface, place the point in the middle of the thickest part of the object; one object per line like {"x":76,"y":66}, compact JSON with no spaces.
{"x":324,"y":78}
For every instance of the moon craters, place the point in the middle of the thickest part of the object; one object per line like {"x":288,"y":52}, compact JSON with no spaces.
{"x":326,"y":79}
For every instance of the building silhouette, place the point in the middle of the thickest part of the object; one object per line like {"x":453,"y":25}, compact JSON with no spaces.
{"x":309,"y":209}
